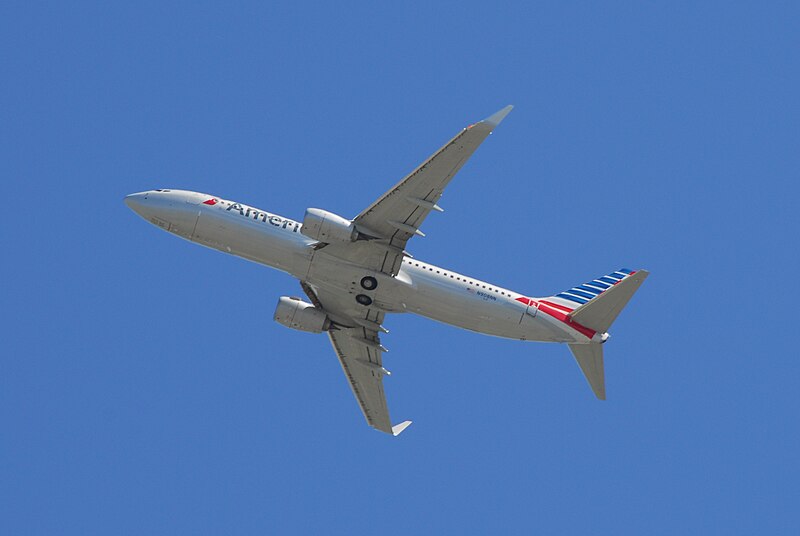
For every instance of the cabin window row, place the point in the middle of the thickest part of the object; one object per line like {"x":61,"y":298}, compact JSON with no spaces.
{"x":458,"y":278}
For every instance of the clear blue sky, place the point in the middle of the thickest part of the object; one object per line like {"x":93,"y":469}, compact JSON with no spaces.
{"x":145,"y":389}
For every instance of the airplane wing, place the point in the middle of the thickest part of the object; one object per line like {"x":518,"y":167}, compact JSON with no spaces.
{"x":387,"y":225}
{"x":396,"y":216}
{"x":359,"y":351}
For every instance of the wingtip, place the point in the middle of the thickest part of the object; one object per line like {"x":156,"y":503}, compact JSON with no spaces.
{"x":498,"y":116}
{"x":397,"y":429}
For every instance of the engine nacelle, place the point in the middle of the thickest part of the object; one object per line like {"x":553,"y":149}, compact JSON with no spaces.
{"x":327,"y":227}
{"x":294,"y":313}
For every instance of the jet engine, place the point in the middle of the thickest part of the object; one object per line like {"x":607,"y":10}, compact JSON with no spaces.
{"x":294,"y":313}
{"x":327,"y":227}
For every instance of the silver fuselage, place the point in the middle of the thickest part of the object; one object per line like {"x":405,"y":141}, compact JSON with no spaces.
{"x":419,"y":287}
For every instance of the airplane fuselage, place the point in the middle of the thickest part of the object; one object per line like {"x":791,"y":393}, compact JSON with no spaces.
{"x":356,"y":271}
{"x":419,"y":287}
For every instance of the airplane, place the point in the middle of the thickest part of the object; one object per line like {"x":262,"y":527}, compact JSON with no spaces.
{"x":356,"y":271}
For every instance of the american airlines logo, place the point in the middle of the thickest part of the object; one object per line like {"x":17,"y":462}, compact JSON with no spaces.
{"x":264,"y":217}
{"x":211,"y":202}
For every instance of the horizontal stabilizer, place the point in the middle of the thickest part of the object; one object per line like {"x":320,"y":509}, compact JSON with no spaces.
{"x":590,"y":358}
{"x":600,"y":312}
{"x":397,"y":429}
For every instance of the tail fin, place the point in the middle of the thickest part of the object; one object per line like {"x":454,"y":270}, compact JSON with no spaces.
{"x":590,"y":358}
{"x":600,"y":302}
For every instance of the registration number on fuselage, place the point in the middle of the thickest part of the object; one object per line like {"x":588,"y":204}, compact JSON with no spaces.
{"x":485,"y":296}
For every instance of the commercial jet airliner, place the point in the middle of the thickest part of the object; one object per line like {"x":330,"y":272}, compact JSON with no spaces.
{"x":355,"y":271}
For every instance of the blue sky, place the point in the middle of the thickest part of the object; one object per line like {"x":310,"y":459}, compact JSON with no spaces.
{"x":145,"y":389}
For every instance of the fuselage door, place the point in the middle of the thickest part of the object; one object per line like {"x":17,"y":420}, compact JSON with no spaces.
{"x":533,"y":308}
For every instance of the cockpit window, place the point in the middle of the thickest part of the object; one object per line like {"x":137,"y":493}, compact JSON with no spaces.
{"x":162,"y":190}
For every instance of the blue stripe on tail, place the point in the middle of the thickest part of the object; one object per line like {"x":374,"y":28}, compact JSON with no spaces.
{"x":589,"y":291}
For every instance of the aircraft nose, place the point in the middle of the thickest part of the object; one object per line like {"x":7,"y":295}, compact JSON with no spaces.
{"x":136,"y":201}
{"x":139,"y":203}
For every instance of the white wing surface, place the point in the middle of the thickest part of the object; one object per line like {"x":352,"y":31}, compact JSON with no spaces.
{"x":384,"y":229}
{"x":397,"y":215}
{"x":359,"y":351}
{"x":362,"y":367}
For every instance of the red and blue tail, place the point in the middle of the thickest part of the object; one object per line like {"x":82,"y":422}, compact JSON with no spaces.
{"x":583,"y":294}
{"x":594,"y":306}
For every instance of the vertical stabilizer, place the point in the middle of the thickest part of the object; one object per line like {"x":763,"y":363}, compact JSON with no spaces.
{"x":599,"y":303}
{"x":590,"y":358}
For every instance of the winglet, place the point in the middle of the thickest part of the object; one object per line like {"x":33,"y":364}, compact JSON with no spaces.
{"x":494,"y":119}
{"x":397,"y":429}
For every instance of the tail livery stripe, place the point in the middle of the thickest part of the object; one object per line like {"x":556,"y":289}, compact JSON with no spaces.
{"x":572,"y":298}
{"x":559,"y":315}
{"x":557,"y":306}
{"x":591,"y":290}
{"x":558,"y":312}
{"x":588,"y":291}
{"x":581,"y":293}
{"x":561,"y":305}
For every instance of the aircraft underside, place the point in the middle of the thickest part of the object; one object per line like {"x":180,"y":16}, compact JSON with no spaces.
{"x":355,"y":272}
